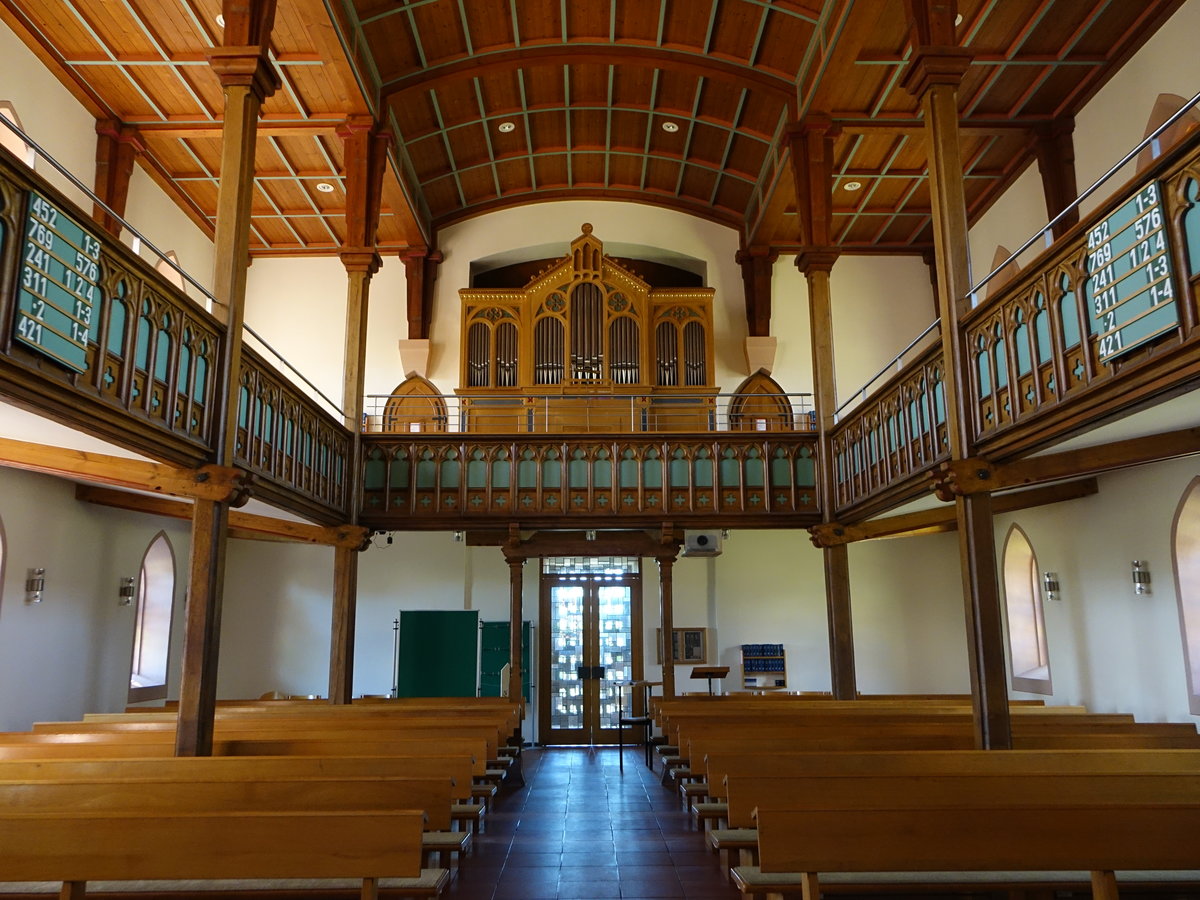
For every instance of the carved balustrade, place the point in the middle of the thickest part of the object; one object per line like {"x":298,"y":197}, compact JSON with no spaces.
{"x":144,"y":373}
{"x":895,"y":436}
{"x":441,"y":480}
{"x":1041,"y":352}
{"x":288,"y":439}
{"x":97,"y":338}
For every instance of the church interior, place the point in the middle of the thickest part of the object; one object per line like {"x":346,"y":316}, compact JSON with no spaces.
{"x":811,"y":380}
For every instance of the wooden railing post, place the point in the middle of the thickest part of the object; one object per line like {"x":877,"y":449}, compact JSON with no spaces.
{"x":247,"y":78}
{"x":933,"y":77}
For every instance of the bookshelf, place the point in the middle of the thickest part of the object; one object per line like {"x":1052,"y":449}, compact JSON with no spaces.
{"x":763,"y":666}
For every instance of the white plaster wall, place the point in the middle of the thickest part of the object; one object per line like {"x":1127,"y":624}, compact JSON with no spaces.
{"x":50,"y":115}
{"x":165,"y":225}
{"x":909,"y":627}
{"x":1115,"y":120}
{"x":560,"y":223}
{"x":1010,"y":222}
{"x":770,"y":588}
{"x":790,"y":328}
{"x":70,"y":654}
{"x":298,"y":306}
{"x":1110,"y":649}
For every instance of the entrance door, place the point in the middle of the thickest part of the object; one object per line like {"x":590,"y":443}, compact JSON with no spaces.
{"x":591,"y":648}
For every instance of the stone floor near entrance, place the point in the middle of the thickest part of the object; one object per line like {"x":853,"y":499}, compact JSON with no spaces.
{"x":582,"y":830}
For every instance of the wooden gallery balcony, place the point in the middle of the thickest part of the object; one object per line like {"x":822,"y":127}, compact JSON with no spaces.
{"x":1100,"y":324}
{"x":563,"y":469}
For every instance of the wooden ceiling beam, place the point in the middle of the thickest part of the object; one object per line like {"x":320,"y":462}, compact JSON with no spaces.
{"x":243,"y":525}
{"x":696,"y":64}
{"x":972,"y":476}
{"x":209,"y":482}
{"x":939,"y":520}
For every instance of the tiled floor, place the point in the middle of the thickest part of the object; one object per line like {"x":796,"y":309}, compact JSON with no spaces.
{"x":582,"y":830}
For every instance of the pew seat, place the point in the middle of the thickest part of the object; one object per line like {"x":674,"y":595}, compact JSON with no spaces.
{"x":165,"y":851}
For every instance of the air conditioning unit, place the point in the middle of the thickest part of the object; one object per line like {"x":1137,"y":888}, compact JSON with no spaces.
{"x":702,"y":543}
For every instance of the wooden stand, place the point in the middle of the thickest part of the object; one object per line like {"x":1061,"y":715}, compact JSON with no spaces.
{"x":709,"y":673}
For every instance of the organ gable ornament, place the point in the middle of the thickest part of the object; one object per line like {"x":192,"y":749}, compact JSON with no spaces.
{"x":590,"y":326}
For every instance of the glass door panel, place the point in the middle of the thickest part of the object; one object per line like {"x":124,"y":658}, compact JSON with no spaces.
{"x":566,"y":656}
{"x":614,"y":607}
{"x":590,"y":652}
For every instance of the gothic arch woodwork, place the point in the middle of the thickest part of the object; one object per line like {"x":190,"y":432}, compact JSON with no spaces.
{"x":759,"y":405}
{"x":414,"y":406}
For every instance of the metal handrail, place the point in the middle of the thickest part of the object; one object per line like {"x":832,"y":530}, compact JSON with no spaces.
{"x":538,"y":410}
{"x":145,"y":241}
{"x":1048,"y":229}
{"x":896,"y":361}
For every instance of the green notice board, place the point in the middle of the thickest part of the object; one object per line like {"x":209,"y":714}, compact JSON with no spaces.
{"x":438,"y":653}
{"x":494,"y":656}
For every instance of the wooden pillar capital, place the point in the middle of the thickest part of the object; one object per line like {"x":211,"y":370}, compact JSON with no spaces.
{"x":245,"y":67}
{"x":828,"y":534}
{"x":360,"y":259}
{"x":816,"y":259}
{"x":960,"y":477}
{"x":936,"y":66}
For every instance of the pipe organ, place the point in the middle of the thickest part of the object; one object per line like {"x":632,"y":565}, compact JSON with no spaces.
{"x":587,"y":345}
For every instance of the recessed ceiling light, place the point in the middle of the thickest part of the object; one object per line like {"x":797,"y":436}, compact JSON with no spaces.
{"x":220,"y":20}
{"x":506,"y":127}
{"x":670,"y":127}
{"x":852,"y":186}
{"x":324,"y":187}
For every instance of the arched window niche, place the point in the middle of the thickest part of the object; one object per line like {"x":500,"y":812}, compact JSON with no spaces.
{"x":12,"y":141}
{"x":152,"y":623}
{"x":1185,"y":547}
{"x":1026,"y":620}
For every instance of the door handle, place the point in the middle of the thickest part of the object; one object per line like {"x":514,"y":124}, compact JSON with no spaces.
{"x":589,"y":673}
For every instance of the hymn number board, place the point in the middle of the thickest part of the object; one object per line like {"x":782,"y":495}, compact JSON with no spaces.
{"x":59,"y":284}
{"x":1129,"y":287}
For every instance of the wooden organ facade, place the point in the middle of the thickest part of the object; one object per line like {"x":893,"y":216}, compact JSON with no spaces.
{"x":588,"y":346}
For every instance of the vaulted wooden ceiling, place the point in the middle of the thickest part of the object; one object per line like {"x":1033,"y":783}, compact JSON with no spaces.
{"x":497,"y":103}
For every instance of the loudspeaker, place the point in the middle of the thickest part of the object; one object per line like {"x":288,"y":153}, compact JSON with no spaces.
{"x":701,"y":543}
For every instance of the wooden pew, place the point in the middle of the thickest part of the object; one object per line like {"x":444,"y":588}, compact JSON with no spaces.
{"x":80,"y":847}
{"x":1099,"y":838}
{"x":456,"y":768}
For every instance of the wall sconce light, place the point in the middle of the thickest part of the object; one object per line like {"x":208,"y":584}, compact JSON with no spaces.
{"x":35,"y":584}
{"x":458,"y":536}
{"x":1051,"y":589}
{"x":1141,"y":577}
{"x":127,"y":591}
{"x":590,"y":535}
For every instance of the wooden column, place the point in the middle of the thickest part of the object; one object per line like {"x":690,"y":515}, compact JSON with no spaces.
{"x":666,"y":566}
{"x":933,"y":77}
{"x":117,"y":146}
{"x":516,"y":586}
{"x":366,"y":145}
{"x":365,"y":153}
{"x":811,"y":145}
{"x":1056,"y":163}
{"x":420,"y":273}
{"x":247,"y":78}
{"x":757,"y":264}
{"x":341,"y":644}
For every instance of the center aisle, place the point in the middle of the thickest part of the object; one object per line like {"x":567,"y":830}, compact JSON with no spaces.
{"x":583,"y":830}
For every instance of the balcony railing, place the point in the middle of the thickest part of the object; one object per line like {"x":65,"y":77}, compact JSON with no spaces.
{"x":90,"y":330}
{"x":450,"y":480}
{"x":566,"y":413}
{"x":1064,"y":346}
